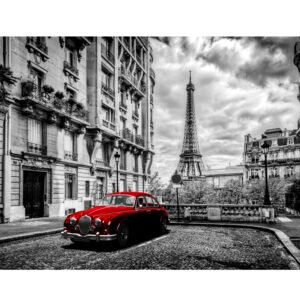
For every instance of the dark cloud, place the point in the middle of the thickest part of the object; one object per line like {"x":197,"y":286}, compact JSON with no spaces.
{"x":263,"y":65}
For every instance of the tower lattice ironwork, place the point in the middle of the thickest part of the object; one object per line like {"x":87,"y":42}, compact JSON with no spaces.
{"x":190,"y":165}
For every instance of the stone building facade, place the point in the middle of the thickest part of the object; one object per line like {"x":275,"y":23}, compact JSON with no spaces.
{"x":77,"y":102}
{"x":283,"y":157}
{"x":219,"y":177}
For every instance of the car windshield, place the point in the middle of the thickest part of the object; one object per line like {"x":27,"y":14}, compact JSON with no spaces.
{"x":126,"y":200}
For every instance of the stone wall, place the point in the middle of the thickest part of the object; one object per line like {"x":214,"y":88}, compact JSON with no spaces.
{"x":219,"y":212}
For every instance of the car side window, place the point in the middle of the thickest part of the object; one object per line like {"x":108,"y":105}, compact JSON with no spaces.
{"x":151,"y":202}
{"x":141,"y":202}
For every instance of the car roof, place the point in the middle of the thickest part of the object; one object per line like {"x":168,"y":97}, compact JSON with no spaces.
{"x":135,"y":194}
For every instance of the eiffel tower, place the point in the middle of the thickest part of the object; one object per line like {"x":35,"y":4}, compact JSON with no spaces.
{"x":190,"y":165}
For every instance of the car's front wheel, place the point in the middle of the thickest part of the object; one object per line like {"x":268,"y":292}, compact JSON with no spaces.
{"x":122,"y":235}
{"x":163,"y":226}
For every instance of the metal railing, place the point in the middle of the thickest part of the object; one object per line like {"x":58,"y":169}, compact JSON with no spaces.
{"x":36,"y":148}
{"x":69,"y":67}
{"x":38,"y":44}
{"x":107,"y":89}
{"x":102,"y":163}
{"x":71,"y":156}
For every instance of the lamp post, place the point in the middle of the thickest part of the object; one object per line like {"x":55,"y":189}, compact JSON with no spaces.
{"x":265,"y":148}
{"x":117,"y":159}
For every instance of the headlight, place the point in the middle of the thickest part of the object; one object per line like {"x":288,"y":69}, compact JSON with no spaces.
{"x":73,"y":221}
{"x":97,"y":222}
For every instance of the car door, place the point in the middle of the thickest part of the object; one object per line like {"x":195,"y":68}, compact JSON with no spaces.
{"x":143,"y":214}
{"x":155,"y":212}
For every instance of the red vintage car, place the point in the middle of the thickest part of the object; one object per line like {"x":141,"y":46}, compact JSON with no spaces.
{"x":118,"y":217}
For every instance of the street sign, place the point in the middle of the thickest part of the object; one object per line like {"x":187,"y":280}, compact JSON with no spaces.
{"x":176,"y":178}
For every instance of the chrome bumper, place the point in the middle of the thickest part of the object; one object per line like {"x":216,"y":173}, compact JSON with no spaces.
{"x":89,"y":237}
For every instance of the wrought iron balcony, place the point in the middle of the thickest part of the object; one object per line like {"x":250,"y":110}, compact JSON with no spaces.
{"x":109,"y":124}
{"x":107,"y":89}
{"x":123,"y":105}
{"x":71,"y":156}
{"x":131,"y":80}
{"x":37,"y":46}
{"x":36,"y":148}
{"x":69,"y":68}
{"x":139,"y":140}
{"x":127,"y":135}
{"x":107,"y":54}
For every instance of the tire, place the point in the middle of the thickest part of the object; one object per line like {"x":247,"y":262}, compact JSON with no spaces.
{"x":163,"y":226}
{"x":122,"y":235}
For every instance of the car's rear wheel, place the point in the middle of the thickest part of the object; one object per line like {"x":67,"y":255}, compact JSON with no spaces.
{"x":122,"y":235}
{"x":163,"y":226}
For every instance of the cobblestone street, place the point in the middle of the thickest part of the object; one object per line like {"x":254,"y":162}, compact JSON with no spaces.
{"x":182,"y":248}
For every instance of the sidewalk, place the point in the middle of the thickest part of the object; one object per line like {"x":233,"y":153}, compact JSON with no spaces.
{"x":30,"y":228}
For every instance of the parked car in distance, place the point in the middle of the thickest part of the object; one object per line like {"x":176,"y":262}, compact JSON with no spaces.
{"x":118,"y":217}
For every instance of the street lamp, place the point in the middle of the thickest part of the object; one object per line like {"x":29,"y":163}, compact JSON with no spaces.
{"x":117,"y":159}
{"x":265,"y":147}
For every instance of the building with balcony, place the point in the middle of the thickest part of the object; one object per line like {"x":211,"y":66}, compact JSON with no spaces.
{"x":77,"y":101}
{"x":283,"y":158}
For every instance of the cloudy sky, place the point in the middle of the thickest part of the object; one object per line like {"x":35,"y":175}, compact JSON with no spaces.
{"x":243,"y":85}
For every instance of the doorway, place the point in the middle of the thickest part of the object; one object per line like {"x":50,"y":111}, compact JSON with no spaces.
{"x":33,"y":194}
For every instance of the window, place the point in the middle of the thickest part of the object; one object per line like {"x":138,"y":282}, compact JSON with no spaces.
{"x":135,"y":184}
{"x":122,"y":160}
{"x":70,"y":57}
{"x":38,"y":78}
{"x":123,"y":123}
{"x":70,"y":181}
{"x":109,"y":114}
{"x":123,"y":99}
{"x":107,"y":79}
{"x":70,"y":146}
{"x":136,"y":107}
{"x":122,"y":185}
{"x":99,"y":187}
{"x":136,"y":163}
{"x":151,"y":201}
{"x":36,"y":137}
{"x":87,"y":189}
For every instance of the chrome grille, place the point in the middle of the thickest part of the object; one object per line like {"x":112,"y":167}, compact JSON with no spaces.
{"x":84,"y":225}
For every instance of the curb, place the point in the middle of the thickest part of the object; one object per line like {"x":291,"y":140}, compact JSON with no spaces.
{"x":280,"y":235}
{"x":28,"y":235}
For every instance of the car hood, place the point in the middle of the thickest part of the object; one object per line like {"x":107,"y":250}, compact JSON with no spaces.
{"x":106,"y":210}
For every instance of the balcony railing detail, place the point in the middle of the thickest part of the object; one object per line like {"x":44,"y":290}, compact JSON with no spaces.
{"x":123,"y":106}
{"x":69,"y":68}
{"x":107,"y":89}
{"x":135,"y":115}
{"x":108,"y":124}
{"x":31,"y":94}
{"x":132,"y":80}
{"x":38,"y":47}
{"x":71,"y":156}
{"x":36,"y":148}
{"x":129,"y":136}
{"x":107,"y":54}
{"x":139,"y":140}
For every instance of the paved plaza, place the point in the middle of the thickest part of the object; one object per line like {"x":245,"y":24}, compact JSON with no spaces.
{"x":183,"y":248}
